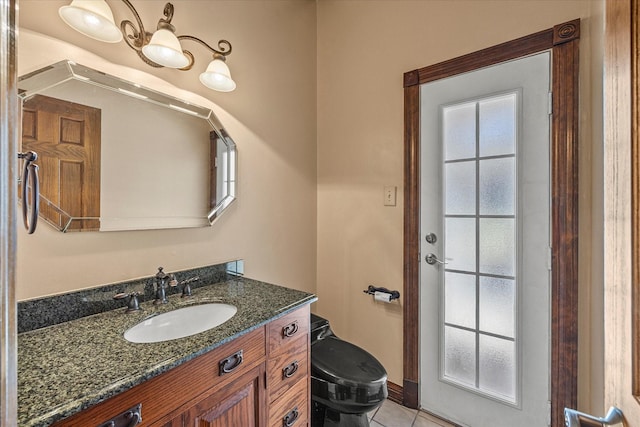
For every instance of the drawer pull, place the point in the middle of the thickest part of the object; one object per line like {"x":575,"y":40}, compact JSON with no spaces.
{"x":290,"y":330}
{"x":129,"y":418}
{"x":291,"y":418}
{"x":230,"y":363}
{"x":290,"y":370}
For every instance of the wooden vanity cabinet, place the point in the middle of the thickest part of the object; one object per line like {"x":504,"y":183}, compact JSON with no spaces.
{"x":239,"y":403}
{"x":288,"y":367}
{"x":268,"y":385}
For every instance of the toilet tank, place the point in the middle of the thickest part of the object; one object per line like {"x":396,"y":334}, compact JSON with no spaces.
{"x":319,"y":328}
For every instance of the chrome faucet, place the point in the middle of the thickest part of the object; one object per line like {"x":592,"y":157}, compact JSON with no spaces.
{"x":162,"y":280}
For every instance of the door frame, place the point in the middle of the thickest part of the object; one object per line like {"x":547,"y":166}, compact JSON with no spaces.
{"x":562,"y":41}
{"x":8,"y":201}
{"x":622,"y":208}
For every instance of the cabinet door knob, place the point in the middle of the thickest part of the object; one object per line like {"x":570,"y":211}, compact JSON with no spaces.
{"x":291,"y":418}
{"x":230,"y":363}
{"x":290,"y":330}
{"x":289,"y":370}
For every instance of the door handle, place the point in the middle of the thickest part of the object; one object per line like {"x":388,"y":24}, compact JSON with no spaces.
{"x":30,"y":179}
{"x":433,"y":259}
{"x":572,"y":417}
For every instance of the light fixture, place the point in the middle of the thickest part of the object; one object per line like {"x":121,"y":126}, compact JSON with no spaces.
{"x":94,"y":19}
{"x":217,"y":76}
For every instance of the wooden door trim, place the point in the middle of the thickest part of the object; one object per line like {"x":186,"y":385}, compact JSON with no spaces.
{"x":562,"y":40}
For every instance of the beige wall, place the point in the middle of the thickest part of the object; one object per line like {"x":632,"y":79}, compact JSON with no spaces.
{"x":272,"y":118}
{"x":364,"y":47}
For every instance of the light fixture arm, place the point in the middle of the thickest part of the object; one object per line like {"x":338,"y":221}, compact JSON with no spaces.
{"x":136,"y":37}
{"x":224,"y":49}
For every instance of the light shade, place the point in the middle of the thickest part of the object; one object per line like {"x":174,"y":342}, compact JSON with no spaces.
{"x":218,"y":77}
{"x":164,"y":49}
{"x":93,"y":18}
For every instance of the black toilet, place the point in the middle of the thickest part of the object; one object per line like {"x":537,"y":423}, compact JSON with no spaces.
{"x":346,"y":381}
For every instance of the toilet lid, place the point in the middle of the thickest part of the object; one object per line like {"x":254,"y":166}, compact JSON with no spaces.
{"x":341,"y":362}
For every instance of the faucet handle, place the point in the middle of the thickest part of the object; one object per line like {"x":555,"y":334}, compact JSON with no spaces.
{"x":186,"y":290}
{"x":172,"y":280}
{"x":132,"y":300}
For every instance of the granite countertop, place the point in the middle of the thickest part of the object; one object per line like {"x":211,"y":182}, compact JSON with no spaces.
{"x":65,"y":368}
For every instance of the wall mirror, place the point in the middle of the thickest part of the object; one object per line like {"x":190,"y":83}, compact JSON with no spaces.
{"x":114,"y":155}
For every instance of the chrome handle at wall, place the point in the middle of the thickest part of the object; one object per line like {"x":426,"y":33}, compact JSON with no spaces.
{"x":572,"y":417}
{"x":30,"y":206}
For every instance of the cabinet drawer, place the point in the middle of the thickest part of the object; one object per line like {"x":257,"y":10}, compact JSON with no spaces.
{"x":286,"y":368}
{"x":167,"y":392}
{"x":286,"y":329}
{"x":291,"y":410}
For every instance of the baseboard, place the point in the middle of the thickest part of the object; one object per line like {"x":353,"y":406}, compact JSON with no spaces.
{"x":395,"y":392}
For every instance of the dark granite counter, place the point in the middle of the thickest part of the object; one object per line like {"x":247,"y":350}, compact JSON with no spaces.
{"x":67,"y":367}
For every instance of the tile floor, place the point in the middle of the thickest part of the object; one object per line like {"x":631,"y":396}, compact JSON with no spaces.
{"x":391,"y":414}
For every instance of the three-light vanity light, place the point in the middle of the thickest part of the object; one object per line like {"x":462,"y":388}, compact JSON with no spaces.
{"x":94,"y":19}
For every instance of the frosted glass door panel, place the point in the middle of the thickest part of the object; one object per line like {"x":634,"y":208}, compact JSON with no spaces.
{"x":460,"y":356}
{"x":497,"y":366}
{"x":460,"y":249}
{"x":479,"y":285}
{"x":459,"y":132}
{"x":497,"y":306}
{"x":497,"y":246}
{"x":460,"y":188}
{"x":460,"y":300}
{"x":497,"y":186}
{"x":497,"y":133}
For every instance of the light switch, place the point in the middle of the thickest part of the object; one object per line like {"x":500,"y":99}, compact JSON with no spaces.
{"x":390,"y":195}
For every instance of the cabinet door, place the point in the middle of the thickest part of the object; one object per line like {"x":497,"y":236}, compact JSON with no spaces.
{"x":240,"y":403}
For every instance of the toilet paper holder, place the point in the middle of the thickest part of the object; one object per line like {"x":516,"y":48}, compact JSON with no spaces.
{"x":371,"y":290}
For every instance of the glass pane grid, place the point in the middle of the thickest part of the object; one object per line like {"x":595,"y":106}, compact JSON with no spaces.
{"x":479,"y":288}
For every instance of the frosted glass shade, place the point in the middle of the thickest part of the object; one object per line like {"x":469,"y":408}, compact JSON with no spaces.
{"x":164,"y":49}
{"x":218,"y":77}
{"x":93,"y":18}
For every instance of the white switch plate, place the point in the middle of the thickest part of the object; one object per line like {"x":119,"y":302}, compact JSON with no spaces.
{"x":390,"y":195}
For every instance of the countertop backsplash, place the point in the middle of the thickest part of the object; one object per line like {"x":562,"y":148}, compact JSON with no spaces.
{"x":47,"y":311}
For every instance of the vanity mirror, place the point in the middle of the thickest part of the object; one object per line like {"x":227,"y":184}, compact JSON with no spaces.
{"x":114,"y":155}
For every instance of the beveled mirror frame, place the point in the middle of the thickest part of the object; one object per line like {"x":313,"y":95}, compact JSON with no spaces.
{"x":562,"y":41}
{"x":58,"y":74}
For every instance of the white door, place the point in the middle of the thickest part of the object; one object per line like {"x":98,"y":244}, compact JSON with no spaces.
{"x":485,"y":227}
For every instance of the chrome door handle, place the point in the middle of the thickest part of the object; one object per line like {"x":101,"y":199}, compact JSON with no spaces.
{"x":572,"y":417}
{"x":432,"y":259}
{"x":30,"y":179}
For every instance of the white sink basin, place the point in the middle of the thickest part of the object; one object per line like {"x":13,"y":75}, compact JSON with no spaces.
{"x":180,"y":323}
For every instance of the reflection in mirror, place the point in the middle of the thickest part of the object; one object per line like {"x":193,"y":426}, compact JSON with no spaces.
{"x":114,"y":155}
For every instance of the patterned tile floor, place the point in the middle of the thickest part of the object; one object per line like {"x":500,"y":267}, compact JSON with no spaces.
{"x":391,"y":414}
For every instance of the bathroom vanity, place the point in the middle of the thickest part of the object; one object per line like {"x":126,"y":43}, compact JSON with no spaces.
{"x":251,"y":370}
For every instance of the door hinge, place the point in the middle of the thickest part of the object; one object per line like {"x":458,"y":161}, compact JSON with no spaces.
{"x":549,"y":258}
{"x":550,"y":103}
{"x":549,"y":412}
